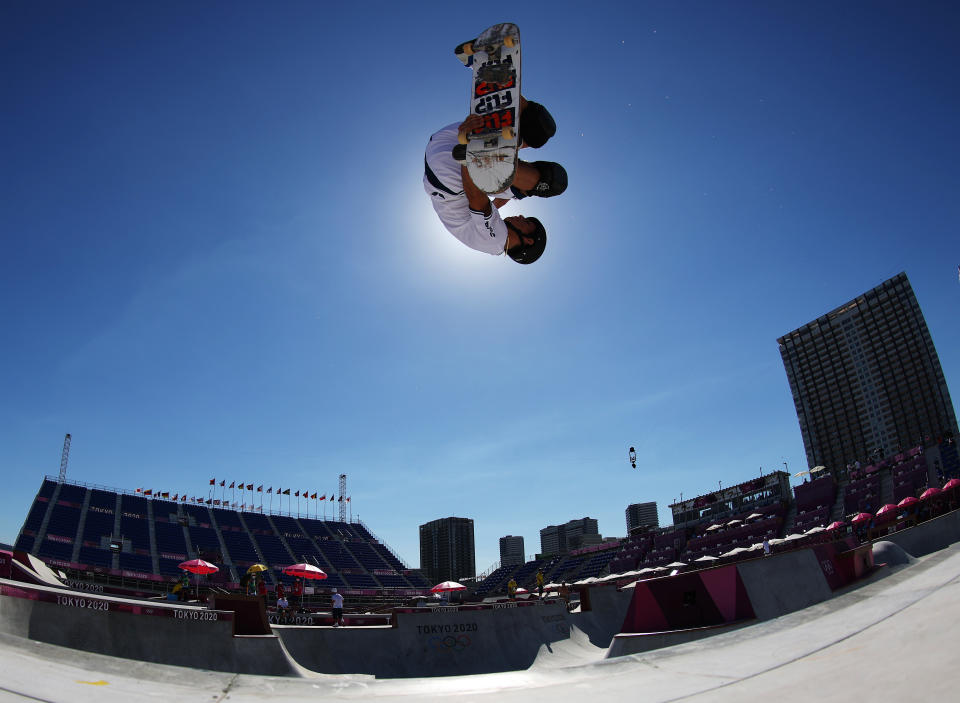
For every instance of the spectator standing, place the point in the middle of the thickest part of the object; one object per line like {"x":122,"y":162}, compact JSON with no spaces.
{"x":512,"y":589}
{"x":298,"y":593}
{"x":337,"y":601}
{"x":540,"y":584}
{"x":184,"y":586}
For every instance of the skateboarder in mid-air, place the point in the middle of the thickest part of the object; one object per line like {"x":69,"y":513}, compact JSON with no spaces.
{"x":467,"y":212}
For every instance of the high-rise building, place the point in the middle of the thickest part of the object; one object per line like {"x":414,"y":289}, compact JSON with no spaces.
{"x":866,"y":379}
{"x":560,"y":539}
{"x":511,"y":551}
{"x":446,"y":550}
{"x":641,"y":515}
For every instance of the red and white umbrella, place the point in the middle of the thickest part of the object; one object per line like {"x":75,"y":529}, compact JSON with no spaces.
{"x":448,"y":586}
{"x":907,"y":502}
{"x":305,"y":571}
{"x":836,"y":525}
{"x":951,"y":484}
{"x":198,"y":566}
{"x":888,"y":508}
{"x":930,"y":493}
{"x":861,"y":517}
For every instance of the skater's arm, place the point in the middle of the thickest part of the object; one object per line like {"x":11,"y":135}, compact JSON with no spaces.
{"x":500,"y":202}
{"x":476,"y":198}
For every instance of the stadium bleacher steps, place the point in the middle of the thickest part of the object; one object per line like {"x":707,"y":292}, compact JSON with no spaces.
{"x":151,"y":528}
{"x":42,"y":532}
{"x":115,"y":559}
{"x":313,"y":542}
{"x":789,"y":520}
{"x":81,"y":523}
{"x":283,"y":540}
{"x":227,"y":560}
{"x":192,"y":552}
{"x":253,"y":541}
{"x":837,"y":511}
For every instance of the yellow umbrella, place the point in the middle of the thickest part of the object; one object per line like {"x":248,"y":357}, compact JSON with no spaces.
{"x":256,"y":567}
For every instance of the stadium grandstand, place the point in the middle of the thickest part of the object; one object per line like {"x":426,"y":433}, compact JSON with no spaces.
{"x":123,"y":538}
{"x":735,"y":521}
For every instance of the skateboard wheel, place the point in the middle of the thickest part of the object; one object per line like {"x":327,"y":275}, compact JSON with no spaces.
{"x":509,"y":41}
{"x":507,"y":133}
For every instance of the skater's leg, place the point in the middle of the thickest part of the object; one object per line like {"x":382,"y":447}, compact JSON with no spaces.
{"x":541,"y":178}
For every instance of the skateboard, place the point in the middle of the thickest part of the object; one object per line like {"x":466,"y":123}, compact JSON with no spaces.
{"x":491,"y":150}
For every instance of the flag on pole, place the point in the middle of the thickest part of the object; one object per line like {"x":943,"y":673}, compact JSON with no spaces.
{"x":323,"y":497}
{"x":223,"y":483}
{"x":249,"y":486}
{"x":232,"y":484}
{"x":213,"y":481}
{"x":260,"y":488}
{"x":270,"y":490}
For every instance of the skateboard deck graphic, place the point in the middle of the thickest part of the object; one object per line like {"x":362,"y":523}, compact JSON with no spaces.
{"x":491,"y":151}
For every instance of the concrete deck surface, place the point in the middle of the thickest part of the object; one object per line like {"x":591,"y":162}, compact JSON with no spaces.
{"x":893,"y":639}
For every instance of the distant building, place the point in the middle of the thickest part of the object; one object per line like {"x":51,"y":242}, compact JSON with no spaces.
{"x":866,"y":379}
{"x":447,"y":550}
{"x":641,"y":515}
{"x":511,"y":551}
{"x":560,"y":539}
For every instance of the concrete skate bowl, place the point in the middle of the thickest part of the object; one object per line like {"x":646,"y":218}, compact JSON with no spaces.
{"x":548,"y":645}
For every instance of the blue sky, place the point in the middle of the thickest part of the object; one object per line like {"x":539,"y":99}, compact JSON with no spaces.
{"x":218,"y":259}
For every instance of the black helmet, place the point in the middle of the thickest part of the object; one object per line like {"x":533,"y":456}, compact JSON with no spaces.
{"x":528,"y":253}
{"x":536,"y":125}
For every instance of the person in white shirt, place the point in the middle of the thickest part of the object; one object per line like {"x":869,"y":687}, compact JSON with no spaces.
{"x":337,"y":602}
{"x":467,"y":212}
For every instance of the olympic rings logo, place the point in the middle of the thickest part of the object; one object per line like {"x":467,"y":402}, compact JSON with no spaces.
{"x":450,"y":643}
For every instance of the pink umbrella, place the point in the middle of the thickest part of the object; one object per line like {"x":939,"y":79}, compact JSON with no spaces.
{"x":888,"y":508}
{"x":448,"y":586}
{"x":929,"y":493}
{"x":198,"y":566}
{"x":836,"y":525}
{"x":305,"y":571}
{"x":861,"y":517}
{"x":907,"y":502}
{"x":951,"y":484}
